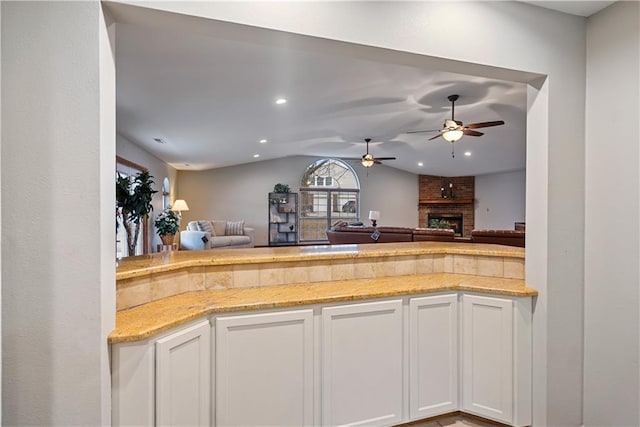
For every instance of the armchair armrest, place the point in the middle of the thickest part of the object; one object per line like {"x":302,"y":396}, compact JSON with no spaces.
{"x":192,"y":240}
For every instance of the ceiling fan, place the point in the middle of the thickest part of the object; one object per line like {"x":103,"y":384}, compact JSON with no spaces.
{"x":368,"y":160}
{"x":454,"y":130}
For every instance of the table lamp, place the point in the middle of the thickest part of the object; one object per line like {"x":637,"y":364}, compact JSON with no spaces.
{"x":180,"y":205}
{"x":374,"y":216}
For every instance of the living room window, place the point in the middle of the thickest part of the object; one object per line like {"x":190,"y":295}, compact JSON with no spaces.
{"x":329,"y":190}
{"x":323,"y":181}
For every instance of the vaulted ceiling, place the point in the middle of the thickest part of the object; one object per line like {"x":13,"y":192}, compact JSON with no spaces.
{"x":210,"y":100}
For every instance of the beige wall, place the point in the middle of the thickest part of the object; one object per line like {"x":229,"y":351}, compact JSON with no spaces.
{"x":240,"y":192}
{"x":500,"y":200}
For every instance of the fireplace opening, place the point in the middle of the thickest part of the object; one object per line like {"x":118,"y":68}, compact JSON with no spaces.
{"x":453,"y":221}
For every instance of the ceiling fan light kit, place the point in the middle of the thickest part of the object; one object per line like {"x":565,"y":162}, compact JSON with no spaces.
{"x":453,"y":130}
{"x":368,"y":160}
{"x":453,"y":135}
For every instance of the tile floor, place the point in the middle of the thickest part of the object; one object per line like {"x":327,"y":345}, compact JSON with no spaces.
{"x":455,"y":420}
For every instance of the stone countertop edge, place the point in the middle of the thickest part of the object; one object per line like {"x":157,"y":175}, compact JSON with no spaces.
{"x":145,"y":321}
{"x":145,"y":265}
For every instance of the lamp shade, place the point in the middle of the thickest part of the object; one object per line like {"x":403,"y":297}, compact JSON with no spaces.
{"x":374,"y":215}
{"x":180,"y":205}
{"x":452,"y":135}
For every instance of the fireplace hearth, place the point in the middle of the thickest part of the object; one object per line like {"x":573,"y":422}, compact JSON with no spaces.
{"x":454,"y":221}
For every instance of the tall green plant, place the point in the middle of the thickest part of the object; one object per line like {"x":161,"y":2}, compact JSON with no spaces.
{"x":133,"y":198}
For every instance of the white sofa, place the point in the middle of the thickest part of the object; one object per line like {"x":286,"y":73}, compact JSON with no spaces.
{"x":194,"y":238}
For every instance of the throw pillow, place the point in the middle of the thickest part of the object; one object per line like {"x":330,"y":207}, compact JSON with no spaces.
{"x":234,"y":228}
{"x":219,"y":226}
{"x":206,"y":227}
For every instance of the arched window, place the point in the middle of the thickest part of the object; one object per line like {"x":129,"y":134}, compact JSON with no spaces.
{"x":166,"y":193}
{"x":329,"y":191}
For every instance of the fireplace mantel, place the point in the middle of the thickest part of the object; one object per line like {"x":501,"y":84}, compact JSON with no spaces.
{"x":442,"y":201}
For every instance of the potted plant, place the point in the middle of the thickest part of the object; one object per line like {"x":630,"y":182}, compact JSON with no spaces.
{"x":167,"y":224}
{"x":281,"y":188}
{"x":133,"y":200}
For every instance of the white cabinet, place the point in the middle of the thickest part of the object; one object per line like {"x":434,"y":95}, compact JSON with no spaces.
{"x":183,"y":377}
{"x":362,"y":362}
{"x":132,"y":384}
{"x":264,"y":369}
{"x":433,"y":355}
{"x":496,"y":362}
{"x":372,"y":363}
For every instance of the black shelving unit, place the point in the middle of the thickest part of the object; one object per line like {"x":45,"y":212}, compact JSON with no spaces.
{"x":283,"y":219}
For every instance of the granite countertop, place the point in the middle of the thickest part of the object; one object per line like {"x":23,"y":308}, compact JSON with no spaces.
{"x":144,"y":265}
{"x":150,"y":319}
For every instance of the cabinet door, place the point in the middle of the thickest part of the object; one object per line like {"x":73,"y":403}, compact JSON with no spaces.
{"x":132,"y":382}
{"x":433,"y":355}
{"x":183,"y":377}
{"x":264,"y":369}
{"x":487,"y":362}
{"x":362,"y":364}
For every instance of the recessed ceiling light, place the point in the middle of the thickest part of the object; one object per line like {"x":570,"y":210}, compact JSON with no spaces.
{"x":281,"y":101}
{"x":420,"y":164}
{"x":467,"y":153}
{"x":263,"y":141}
{"x":256,"y":155}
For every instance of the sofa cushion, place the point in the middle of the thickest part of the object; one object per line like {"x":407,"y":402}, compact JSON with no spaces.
{"x":220,"y":241}
{"x":224,"y":241}
{"x":239,"y":240}
{"x":234,"y":228}
{"x":193,"y":226}
{"x":434,"y":231}
{"x":219,"y":226}
{"x":206,"y":227}
{"x":433,"y":234}
{"x":395,"y":230}
{"x":499,"y":237}
{"x":354,"y":229}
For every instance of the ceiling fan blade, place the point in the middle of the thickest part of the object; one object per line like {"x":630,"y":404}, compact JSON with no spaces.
{"x":437,"y":136}
{"x":484,"y":124}
{"x":472,"y":132}
{"x":422,"y":131}
{"x":377,"y":162}
{"x":385,"y":158}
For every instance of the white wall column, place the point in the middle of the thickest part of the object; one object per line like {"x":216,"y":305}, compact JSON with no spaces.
{"x":58,"y":275}
{"x":0,"y":215}
{"x":612,"y":244}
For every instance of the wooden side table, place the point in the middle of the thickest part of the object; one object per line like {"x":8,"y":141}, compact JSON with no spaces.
{"x":166,"y":248}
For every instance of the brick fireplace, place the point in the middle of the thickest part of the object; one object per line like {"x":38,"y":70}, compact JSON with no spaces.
{"x":446,"y":196}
